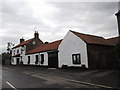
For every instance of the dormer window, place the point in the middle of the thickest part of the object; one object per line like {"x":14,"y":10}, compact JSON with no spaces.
{"x":33,"y":42}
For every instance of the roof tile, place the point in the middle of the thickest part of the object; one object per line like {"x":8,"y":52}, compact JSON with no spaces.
{"x":114,"y":40}
{"x":25,"y":42}
{"x":91,"y":39}
{"x":45,"y":47}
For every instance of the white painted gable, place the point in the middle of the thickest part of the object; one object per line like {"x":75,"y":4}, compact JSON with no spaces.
{"x":72,"y":44}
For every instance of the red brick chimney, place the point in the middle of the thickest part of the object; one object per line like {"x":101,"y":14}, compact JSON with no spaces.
{"x":22,"y":40}
{"x":36,"y":34}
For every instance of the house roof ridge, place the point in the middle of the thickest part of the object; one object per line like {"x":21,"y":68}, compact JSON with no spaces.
{"x":87,"y":34}
{"x":23,"y":43}
{"x":46,"y":47}
{"x":92,"y":39}
{"x":55,"y":41}
{"x":113,"y":37}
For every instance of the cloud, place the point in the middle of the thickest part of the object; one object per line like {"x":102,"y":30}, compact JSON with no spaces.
{"x":88,"y":17}
{"x":54,"y":19}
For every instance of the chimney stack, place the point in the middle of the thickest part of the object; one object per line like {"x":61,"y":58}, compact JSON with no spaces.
{"x":46,"y":42}
{"x":36,"y":34}
{"x":22,"y":40}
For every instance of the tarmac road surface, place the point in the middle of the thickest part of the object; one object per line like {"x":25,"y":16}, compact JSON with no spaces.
{"x":18,"y":80}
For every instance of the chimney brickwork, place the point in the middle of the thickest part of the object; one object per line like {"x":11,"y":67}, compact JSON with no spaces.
{"x":36,"y":34}
{"x":22,"y":40}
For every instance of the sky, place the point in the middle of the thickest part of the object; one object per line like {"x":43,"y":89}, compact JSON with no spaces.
{"x":54,"y":19}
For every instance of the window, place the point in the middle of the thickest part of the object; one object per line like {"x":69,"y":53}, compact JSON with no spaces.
{"x":14,"y":52}
{"x":36,"y":62}
{"x":22,"y":48}
{"x":28,"y":60}
{"x":76,"y":59}
{"x":42,"y":58}
{"x":17,"y":51}
{"x":21,"y":51}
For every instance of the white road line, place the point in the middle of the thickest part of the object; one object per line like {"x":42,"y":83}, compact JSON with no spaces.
{"x":87,"y":83}
{"x":11,"y":85}
{"x":97,"y":85}
{"x":52,"y":68}
{"x":0,"y":77}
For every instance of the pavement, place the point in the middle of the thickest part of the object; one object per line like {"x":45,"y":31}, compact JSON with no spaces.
{"x":59,"y":78}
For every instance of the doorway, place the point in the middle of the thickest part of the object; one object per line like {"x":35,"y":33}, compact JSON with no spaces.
{"x":18,"y":60}
{"x":53,"y":59}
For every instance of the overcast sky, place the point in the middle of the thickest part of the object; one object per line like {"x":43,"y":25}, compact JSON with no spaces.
{"x":54,"y":19}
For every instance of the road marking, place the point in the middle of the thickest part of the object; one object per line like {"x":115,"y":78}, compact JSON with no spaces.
{"x":36,"y":76}
{"x":7,"y":69}
{"x":52,"y":68}
{"x":11,"y":85}
{"x":87,"y":83}
{"x":97,"y":85}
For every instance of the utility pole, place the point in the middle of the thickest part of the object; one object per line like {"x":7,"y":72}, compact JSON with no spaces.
{"x":118,"y":18}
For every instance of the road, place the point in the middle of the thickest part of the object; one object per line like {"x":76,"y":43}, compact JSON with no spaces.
{"x":17,"y":80}
{"x":0,"y":76}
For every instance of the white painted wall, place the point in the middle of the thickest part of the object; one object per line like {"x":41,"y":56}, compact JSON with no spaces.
{"x":15,"y":49}
{"x":14,"y":52}
{"x":45,"y":59}
{"x":25,"y":57}
{"x":72,"y":44}
{"x":13,"y":61}
{"x":33,"y":59}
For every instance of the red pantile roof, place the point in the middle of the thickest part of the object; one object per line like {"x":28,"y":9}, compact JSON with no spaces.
{"x":23,"y":43}
{"x":91,"y":39}
{"x":114,"y":40}
{"x":46,"y":47}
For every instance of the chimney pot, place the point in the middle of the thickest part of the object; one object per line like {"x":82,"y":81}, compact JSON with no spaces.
{"x":46,"y":42}
{"x":36,"y":34}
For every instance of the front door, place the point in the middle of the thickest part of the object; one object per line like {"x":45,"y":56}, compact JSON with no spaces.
{"x":53,"y":59}
{"x":18,"y":59}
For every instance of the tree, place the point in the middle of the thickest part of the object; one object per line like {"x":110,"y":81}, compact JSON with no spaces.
{"x":5,"y":58}
{"x":9,"y":47}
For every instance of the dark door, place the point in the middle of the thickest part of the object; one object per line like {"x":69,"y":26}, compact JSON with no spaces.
{"x":53,"y":59}
{"x":28,"y":60}
{"x":18,"y":60}
{"x":42,"y":58}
